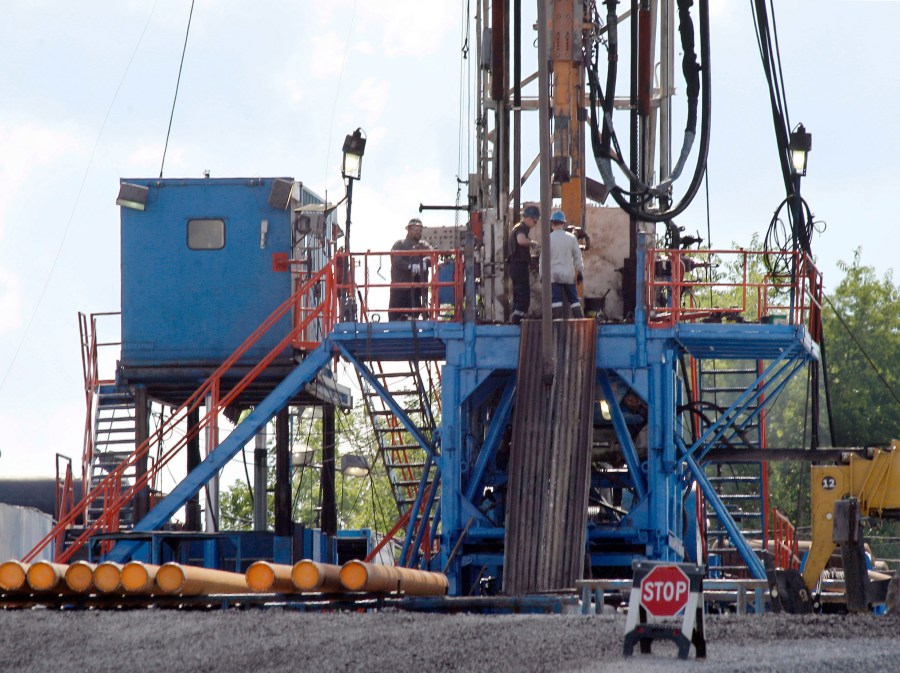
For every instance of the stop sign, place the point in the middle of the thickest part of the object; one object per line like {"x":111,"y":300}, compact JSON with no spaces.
{"x":664,"y":591}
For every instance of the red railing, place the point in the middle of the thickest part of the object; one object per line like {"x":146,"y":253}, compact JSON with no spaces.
{"x":364,"y":294}
{"x":688,"y":286}
{"x":111,"y":489}
{"x":784,"y":539}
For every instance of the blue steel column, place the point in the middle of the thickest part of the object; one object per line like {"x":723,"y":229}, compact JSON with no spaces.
{"x":663,"y":483}
{"x":449,"y":464}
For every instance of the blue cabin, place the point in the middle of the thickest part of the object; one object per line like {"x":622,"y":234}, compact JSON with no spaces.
{"x":204,"y":263}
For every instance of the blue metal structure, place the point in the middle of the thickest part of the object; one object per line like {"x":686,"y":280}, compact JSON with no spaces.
{"x":479,"y":373}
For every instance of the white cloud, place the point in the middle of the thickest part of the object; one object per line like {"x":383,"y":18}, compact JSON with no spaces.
{"x":327,"y":55}
{"x":408,"y":28}
{"x":10,"y":301}
{"x":27,"y":148}
{"x":371,"y":96}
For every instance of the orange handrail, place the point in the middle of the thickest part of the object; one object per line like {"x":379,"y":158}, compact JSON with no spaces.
{"x":675,"y":293}
{"x":109,"y":489}
{"x":785,"y":542}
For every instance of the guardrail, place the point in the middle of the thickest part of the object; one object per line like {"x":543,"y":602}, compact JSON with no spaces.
{"x":732,"y":285}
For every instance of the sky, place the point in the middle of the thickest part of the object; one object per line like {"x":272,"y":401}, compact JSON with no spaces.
{"x":271,"y":89}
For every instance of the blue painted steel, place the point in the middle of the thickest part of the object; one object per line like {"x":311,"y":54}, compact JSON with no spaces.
{"x":628,"y":451}
{"x":734,"y":533}
{"x":429,"y":508}
{"x":182,"y":306}
{"x":219,"y":457}
{"x":414,"y":512}
{"x":499,"y":421}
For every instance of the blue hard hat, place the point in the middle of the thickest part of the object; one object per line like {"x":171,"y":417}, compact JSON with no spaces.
{"x":558,"y":216}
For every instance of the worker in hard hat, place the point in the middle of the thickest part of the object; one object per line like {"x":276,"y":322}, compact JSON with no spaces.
{"x":408,"y":300}
{"x":519,"y":262}
{"x":566,"y":268}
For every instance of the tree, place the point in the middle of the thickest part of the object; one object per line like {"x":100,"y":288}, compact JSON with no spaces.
{"x":362,"y":501}
{"x":861,"y":324}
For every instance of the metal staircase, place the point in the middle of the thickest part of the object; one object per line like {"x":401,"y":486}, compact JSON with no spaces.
{"x":413,"y":386}
{"x":741,"y":486}
{"x":113,"y":444}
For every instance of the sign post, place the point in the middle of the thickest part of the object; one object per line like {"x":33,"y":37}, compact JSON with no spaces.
{"x":666,"y":603}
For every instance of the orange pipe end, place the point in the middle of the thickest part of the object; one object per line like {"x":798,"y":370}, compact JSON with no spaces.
{"x":138,"y":578}
{"x":354,"y":575}
{"x":313,"y":576}
{"x":170,"y":578}
{"x":265,"y":576}
{"x":13,"y":575}
{"x":46,"y":576}
{"x":108,"y":577}
{"x":80,"y":576}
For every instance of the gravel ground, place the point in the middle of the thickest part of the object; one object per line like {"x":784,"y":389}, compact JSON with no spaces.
{"x":242,"y":641}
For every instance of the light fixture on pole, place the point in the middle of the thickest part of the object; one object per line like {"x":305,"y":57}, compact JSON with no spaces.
{"x":351,"y":169}
{"x":354,"y":465}
{"x":354,"y":148}
{"x":800,"y":145}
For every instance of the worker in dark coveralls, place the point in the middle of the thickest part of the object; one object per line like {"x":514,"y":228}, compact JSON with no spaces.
{"x":409,"y":269}
{"x":519,"y":260}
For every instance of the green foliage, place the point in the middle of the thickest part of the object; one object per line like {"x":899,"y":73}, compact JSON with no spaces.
{"x":362,"y":502}
{"x":861,"y":324}
{"x":862,"y":331}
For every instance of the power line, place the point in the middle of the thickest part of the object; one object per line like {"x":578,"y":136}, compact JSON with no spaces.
{"x":177,"y":85}
{"x":84,"y":176}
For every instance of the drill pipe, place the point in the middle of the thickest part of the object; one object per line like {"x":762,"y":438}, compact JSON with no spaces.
{"x":12,"y":576}
{"x":138,"y":577}
{"x":359,"y":576}
{"x":108,"y":577}
{"x":265,"y":576}
{"x":313,"y":576}
{"x":79,"y":576}
{"x":184,"y":580}
{"x":47,"y":576}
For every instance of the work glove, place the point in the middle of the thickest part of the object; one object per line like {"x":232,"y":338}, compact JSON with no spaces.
{"x":416,"y":269}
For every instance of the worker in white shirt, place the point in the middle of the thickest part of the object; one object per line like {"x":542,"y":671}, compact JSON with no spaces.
{"x":566,"y":268}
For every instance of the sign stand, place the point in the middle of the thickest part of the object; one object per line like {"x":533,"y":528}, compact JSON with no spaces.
{"x":662,"y":595}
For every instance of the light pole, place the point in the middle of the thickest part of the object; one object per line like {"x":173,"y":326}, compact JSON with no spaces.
{"x":800,"y":145}
{"x":351,"y":169}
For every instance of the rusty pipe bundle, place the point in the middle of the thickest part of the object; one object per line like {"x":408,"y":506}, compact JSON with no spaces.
{"x":313,"y":576}
{"x":137,"y":577}
{"x":359,"y":576}
{"x":264,"y":576}
{"x":79,"y":576}
{"x":184,"y":580}
{"x":13,"y":576}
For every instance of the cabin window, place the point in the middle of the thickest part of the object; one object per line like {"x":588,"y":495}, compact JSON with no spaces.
{"x":206,"y":234}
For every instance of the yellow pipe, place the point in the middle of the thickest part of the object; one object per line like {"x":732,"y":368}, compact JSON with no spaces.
{"x":265,"y":576}
{"x":313,"y":576}
{"x":79,"y":576}
{"x":13,"y":576}
{"x":138,"y":577}
{"x":184,"y":580}
{"x":47,"y":576}
{"x":359,"y":576}
{"x":108,"y":577}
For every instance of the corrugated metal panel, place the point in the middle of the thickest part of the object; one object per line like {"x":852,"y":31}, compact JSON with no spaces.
{"x":549,"y":467}
{"x":20,"y":529}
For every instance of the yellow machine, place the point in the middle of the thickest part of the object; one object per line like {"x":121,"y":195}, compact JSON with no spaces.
{"x":874,"y":482}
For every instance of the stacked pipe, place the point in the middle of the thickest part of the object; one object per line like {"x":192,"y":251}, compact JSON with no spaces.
{"x":144,"y":579}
